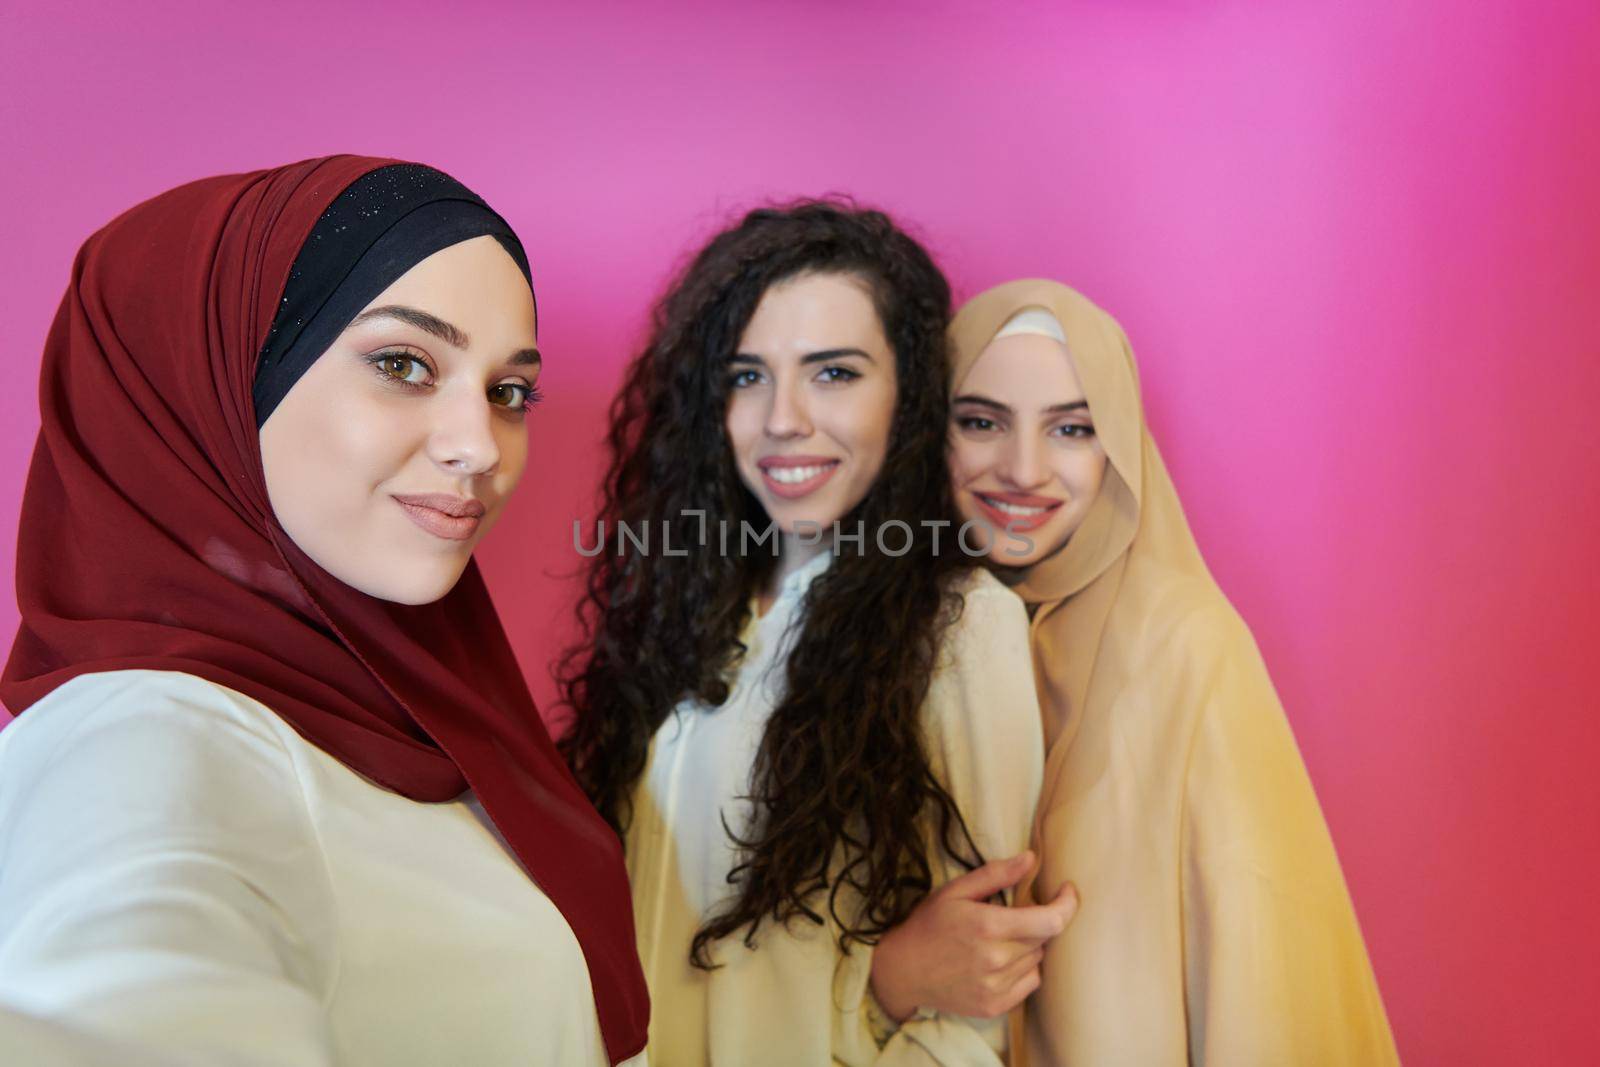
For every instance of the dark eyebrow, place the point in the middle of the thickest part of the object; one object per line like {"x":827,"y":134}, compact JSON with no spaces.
{"x":833,"y":353}
{"x":822,"y":356}
{"x":995,"y":405}
{"x":444,"y":331}
{"x":982,"y":402}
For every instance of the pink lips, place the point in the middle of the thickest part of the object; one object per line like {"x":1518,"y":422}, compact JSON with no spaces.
{"x":454,"y":518}
{"x":1004,"y":520}
{"x":790,"y":490}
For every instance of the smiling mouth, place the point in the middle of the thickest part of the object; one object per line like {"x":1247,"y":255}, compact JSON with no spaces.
{"x":1012,"y":515}
{"x":790,"y":479}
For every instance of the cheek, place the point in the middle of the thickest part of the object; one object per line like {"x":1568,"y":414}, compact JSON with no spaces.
{"x":320,"y":471}
{"x":866,"y":419}
{"x":1083,"y":472}
{"x":742,"y":423}
{"x":967,"y":460}
{"x":512,"y":443}
{"x":370,"y":442}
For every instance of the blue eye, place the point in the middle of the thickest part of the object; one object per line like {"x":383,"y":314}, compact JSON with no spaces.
{"x":742,"y":378}
{"x":1075,"y":430}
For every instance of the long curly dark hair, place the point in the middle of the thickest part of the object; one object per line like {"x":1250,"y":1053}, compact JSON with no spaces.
{"x":842,"y":789}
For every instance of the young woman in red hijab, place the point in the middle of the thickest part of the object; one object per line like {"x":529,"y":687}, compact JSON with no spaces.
{"x":277,"y":792}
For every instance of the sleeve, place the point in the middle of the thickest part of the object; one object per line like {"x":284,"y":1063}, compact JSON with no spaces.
{"x":162,"y":891}
{"x":985,"y":738}
{"x":1276,"y":970}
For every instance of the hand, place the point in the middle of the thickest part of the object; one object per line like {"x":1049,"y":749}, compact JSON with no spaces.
{"x":961,"y":956}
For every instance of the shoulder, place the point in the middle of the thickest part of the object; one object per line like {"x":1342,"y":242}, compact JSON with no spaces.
{"x":1216,"y":682}
{"x":119,"y":756}
{"x":159,"y":719}
{"x":987,"y":630}
{"x":987,"y":611}
{"x":985,"y":662}
{"x":166,"y":813}
{"x":982,"y":718}
{"x":1190,"y":622}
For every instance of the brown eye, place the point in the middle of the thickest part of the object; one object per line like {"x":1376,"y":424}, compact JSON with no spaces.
{"x":401,"y":367}
{"x":514,"y":396}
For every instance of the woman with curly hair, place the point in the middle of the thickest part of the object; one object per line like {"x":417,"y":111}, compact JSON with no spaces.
{"x":804,"y":710}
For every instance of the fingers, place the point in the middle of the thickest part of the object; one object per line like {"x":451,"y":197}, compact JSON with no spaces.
{"x":1065,"y":903}
{"x":1033,"y":923}
{"x":1014,"y":988}
{"x":1028,"y":961}
{"x":991,"y":878}
{"x":1021,"y":991}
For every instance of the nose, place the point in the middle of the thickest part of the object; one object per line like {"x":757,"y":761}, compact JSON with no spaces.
{"x":463,"y":441}
{"x":787,"y":416}
{"x":1023,"y":465}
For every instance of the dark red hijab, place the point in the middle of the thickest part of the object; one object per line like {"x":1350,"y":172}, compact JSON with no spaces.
{"x":147,"y":541}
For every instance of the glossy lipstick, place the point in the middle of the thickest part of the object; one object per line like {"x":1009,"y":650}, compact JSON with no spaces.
{"x":453,"y":518}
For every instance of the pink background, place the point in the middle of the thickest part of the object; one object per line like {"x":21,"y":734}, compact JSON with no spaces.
{"x":1352,"y":244}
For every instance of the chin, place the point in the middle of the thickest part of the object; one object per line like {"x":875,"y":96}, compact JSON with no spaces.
{"x":415,"y":590}
{"x":1046,"y":543}
{"x":821,"y":525}
{"x":997,"y":543}
{"x":788,"y":514}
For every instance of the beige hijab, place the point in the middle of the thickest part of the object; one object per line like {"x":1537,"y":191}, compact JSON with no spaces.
{"x":1137,"y":513}
{"x":1215,"y":926}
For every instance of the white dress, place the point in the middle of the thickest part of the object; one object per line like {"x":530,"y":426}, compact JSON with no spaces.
{"x":794,"y":999}
{"x":185,"y":880}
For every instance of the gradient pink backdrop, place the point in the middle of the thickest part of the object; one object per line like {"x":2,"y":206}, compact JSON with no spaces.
{"x":1352,"y":248}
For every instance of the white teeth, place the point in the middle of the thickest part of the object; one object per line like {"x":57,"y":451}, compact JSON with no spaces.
{"x":1014,"y":509}
{"x":794,"y":475}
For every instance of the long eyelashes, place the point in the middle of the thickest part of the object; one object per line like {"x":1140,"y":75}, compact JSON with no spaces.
{"x":390,"y":366}
{"x":1070,"y":431}
{"x":831,"y":375}
{"x":528,"y":396}
{"x":413,"y":373}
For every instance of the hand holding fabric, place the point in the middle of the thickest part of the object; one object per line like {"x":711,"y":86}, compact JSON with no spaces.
{"x":958,"y":955}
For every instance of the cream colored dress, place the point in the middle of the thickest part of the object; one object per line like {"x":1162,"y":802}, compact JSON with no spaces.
{"x":184,"y":880}
{"x":1215,"y":927}
{"x":794,"y":1000}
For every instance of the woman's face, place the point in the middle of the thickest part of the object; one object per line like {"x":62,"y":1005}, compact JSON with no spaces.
{"x":394,"y":453}
{"x":1023,"y":451}
{"x":811,"y":400}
